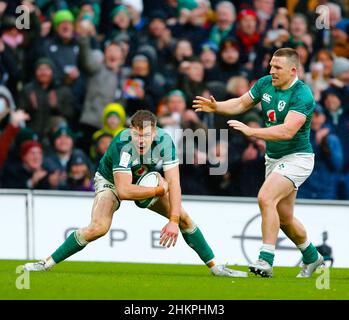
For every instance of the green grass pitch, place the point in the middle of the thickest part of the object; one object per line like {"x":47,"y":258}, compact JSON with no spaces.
{"x":131,"y":281}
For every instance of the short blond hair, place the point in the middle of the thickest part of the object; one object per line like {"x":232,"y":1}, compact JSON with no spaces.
{"x":291,"y":54}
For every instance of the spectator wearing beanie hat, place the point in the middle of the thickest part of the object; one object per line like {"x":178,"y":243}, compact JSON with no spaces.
{"x":340,"y":34}
{"x":62,"y":16}
{"x":30,"y":171}
{"x":121,"y":25}
{"x":79,"y":173}
{"x":11,"y":121}
{"x":104,"y":84}
{"x":159,"y":36}
{"x":229,"y":60}
{"x":144,"y":87}
{"x":247,"y":34}
{"x":193,"y":22}
{"x":88,"y":10}
{"x":208,"y":57}
{"x":337,"y":119}
{"x":101,"y":142}
{"x":44,"y":99}
{"x":114,"y":119}
{"x":62,"y":141}
{"x":63,"y":50}
{"x":225,"y":18}
{"x":340,"y":70}
{"x":18,"y":48}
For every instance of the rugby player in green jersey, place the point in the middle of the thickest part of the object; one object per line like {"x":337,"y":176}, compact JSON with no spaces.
{"x":287,"y":107}
{"x":131,"y":154}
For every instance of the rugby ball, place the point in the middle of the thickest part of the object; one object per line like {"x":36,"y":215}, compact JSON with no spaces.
{"x":148,"y":180}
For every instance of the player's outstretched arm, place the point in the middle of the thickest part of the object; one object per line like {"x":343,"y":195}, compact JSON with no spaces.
{"x":128,"y":191}
{"x":285,"y":131}
{"x":229,"y":107}
{"x":175,"y":193}
{"x":169,"y":232}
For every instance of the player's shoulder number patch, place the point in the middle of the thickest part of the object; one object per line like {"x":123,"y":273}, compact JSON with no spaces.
{"x":125,"y":159}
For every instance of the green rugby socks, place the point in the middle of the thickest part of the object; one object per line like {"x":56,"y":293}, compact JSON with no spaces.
{"x":74,"y":243}
{"x":267,"y":253}
{"x":195,"y":239}
{"x":309,"y":252}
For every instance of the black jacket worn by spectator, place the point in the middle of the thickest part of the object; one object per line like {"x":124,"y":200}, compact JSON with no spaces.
{"x":62,"y":54}
{"x":16,"y":175}
{"x":194,"y":179}
{"x":43,"y":104}
{"x":247,"y":175}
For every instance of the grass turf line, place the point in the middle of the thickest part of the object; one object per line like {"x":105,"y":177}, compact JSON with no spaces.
{"x":133,"y":281}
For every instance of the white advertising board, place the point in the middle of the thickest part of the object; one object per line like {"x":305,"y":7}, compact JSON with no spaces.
{"x":233,"y":230}
{"x":13,"y":235}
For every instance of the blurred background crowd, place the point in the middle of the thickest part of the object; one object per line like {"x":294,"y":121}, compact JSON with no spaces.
{"x":70,"y":82}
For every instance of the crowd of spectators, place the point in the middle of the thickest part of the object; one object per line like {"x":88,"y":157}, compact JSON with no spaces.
{"x":71,"y":79}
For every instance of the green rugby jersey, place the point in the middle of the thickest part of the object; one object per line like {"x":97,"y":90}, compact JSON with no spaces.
{"x":122,"y":156}
{"x":276,"y":104}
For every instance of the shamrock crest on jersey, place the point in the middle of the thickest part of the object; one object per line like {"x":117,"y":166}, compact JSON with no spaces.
{"x":276,"y":104}
{"x":281,"y":105}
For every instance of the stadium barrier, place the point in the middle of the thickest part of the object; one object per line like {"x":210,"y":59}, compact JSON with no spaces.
{"x":34,"y":223}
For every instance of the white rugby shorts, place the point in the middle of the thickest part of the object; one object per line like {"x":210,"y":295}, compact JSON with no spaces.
{"x":297,"y":167}
{"x":102,"y":184}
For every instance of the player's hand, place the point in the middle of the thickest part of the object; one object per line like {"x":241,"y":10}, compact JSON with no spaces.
{"x":237,"y":125}
{"x":204,"y":104}
{"x":169,"y":234}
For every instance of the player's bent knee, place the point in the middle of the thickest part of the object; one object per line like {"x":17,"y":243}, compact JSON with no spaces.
{"x":185,"y":222}
{"x":95,"y":231}
{"x":265,"y":201}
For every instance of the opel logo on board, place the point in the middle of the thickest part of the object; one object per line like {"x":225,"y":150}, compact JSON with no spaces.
{"x":247,"y":237}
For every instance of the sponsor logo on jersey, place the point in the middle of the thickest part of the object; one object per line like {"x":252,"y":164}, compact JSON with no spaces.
{"x":110,"y":186}
{"x":125,"y":159}
{"x":271,"y":114}
{"x":281,"y":105}
{"x":266,"y":97}
{"x":142,"y":170}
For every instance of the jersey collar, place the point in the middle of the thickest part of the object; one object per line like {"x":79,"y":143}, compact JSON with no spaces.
{"x":293,"y":82}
